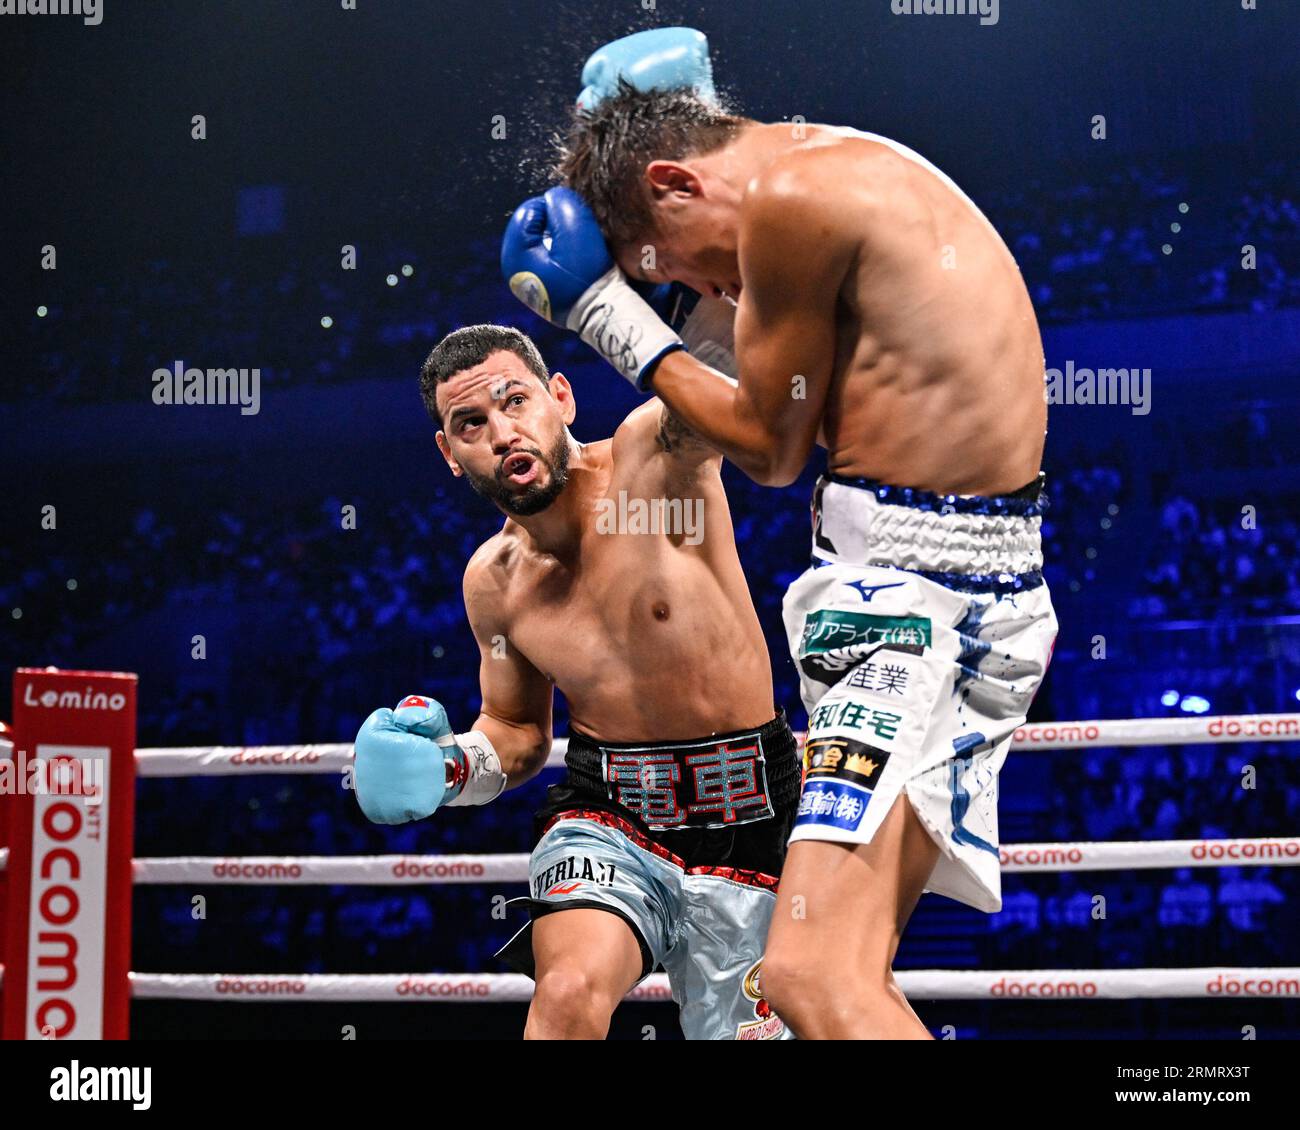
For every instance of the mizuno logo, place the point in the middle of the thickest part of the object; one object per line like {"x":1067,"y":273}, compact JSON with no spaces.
{"x":867,"y":591}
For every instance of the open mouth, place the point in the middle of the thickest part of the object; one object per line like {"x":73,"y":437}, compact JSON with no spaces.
{"x":520,"y":469}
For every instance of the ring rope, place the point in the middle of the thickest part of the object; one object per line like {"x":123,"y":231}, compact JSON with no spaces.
{"x":333,"y":757}
{"x":919,"y":984}
{"x":407,"y":870}
{"x":512,"y":867}
{"x":1229,"y":982}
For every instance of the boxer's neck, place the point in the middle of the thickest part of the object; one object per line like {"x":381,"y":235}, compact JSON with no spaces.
{"x":754,"y":148}
{"x":557,"y":530}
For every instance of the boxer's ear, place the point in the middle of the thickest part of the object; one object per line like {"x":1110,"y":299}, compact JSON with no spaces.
{"x":673,"y":177}
{"x":562,"y":393}
{"x":445,"y":448}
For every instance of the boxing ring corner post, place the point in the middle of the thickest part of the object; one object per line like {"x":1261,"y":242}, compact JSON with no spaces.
{"x":67,"y":813}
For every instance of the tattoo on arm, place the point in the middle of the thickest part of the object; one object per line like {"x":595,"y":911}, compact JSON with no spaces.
{"x":674,"y":435}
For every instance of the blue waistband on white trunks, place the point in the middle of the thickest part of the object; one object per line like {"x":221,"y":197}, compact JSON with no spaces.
{"x":970,"y":543}
{"x":1028,"y":502}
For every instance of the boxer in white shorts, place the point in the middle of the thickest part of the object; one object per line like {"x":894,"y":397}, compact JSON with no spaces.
{"x":921,"y":631}
{"x":875,"y":312}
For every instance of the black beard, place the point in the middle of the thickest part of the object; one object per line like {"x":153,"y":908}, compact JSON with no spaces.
{"x":535,"y":498}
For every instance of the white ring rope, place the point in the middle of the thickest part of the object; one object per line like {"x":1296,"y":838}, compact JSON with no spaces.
{"x":1228,"y":982}
{"x":1056,"y":985}
{"x":512,"y":867}
{"x":417,"y":870}
{"x":334,"y":757}
{"x":918,"y":984}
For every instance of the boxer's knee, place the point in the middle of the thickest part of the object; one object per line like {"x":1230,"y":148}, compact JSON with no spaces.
{"x":568,"y":1003}
{"x":819,"y":997}
{"x":796,"y":983}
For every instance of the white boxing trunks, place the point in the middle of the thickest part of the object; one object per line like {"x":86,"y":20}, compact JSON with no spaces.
{"x":921,"y":632}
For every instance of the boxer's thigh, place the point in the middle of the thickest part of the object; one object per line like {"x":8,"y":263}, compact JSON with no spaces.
{"x":592,"y":887}
{"x":844,"y":905}
{"x":593,"y":953}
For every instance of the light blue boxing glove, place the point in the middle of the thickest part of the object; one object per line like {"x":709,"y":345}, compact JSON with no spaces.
{"x":554,"y":258}
{"x":664,"y":58}
{"x":409,"y":763}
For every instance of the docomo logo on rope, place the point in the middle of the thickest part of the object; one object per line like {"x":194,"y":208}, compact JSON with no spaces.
{"x":1257,"y":727}
{"x":89,"y":699}
{"x":434,"y":988}
{"x":1045,"y":857}
{"x":1253,"y":986}
{"x":1069,"y":732}
{"x":240,"y":869}
{"x":1269,"y":849}
{"x":252,"y":987}
{"x":437,"y":869}
{"x":1043,"y":989}
{"x":303,"y":755}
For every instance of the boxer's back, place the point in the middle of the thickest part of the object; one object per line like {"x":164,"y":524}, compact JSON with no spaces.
{"x":938,"y":371}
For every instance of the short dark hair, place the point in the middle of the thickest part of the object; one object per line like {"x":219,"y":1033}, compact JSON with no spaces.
{"x":469,"y":346}
{"x":606,"y":149}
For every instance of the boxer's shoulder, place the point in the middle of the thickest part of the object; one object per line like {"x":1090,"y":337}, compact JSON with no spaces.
{"x":806,"y":215}
{"x":800,"y":184}
{"x":633,"y":439}
{"x":486,"y":587}
{"x":488,"y":571}
{"x":816,"y":173}
{"x":652,"y":440}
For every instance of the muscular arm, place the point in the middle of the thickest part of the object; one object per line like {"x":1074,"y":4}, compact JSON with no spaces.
{"x":657,"y":442}
{"x":794,"y":256}
{"x":676,"y":440}
{"x":517,"y":698}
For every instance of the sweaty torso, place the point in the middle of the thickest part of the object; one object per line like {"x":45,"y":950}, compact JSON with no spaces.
{"x":649,"y":636}
{"x":938,"y":372}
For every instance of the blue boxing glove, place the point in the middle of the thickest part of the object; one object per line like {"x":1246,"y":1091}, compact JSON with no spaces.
{"x":664,"y":58}
{"x":554,"y":258}
{"x":409,"y":763}
{"x":552,"y":252}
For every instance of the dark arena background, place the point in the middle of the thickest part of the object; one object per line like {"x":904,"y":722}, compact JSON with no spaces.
{"x":275,"y":576}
